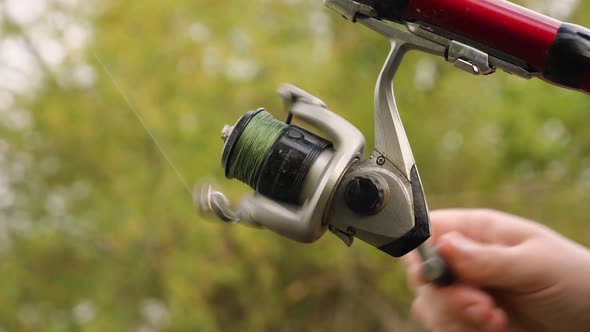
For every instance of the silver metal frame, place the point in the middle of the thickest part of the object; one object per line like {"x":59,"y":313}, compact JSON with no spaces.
{"x":390,"y":137}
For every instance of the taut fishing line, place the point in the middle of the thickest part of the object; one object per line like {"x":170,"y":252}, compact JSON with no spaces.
{"x":145,"y":127}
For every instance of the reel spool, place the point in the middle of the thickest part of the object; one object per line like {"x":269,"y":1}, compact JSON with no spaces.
{"x":272,"y":157}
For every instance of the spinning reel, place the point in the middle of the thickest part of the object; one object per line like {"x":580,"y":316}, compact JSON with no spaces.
{"x":306,"y":183}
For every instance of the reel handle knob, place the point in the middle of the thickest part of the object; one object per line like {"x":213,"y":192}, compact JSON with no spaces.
{"x":208,"y":200}
{"x":435,"y":268}
{"x":364,"y":195}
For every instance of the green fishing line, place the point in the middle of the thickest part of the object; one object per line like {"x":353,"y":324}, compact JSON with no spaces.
{"x":253,"y":146}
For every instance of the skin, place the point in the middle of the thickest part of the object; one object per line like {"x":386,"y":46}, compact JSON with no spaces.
{"x":513,"y":275}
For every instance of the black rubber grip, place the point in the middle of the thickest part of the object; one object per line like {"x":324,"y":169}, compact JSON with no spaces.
{"x":568,"y":60}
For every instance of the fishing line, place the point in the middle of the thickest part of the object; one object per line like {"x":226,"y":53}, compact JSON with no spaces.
{"x":253,"y":146}
{"x":145,"y":127}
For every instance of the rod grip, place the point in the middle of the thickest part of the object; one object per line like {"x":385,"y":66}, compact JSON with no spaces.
{"x":558,"y":52}
{"x":568,"y":60}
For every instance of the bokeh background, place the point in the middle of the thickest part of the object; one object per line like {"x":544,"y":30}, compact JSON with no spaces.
{"x":97,"y":232}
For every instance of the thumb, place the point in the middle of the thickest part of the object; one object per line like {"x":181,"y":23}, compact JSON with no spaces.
{"x":480,"y":264}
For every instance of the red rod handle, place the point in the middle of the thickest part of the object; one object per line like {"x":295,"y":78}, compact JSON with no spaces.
{"x":559,"y":52}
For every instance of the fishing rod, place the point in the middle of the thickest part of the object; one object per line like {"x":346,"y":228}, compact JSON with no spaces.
{"x":482,"y":35}
{"x":306,"y":184}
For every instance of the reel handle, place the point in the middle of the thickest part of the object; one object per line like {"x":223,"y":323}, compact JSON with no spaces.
{"x":435,"y":268}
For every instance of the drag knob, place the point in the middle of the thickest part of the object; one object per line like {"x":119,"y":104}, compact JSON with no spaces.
{"x":364,"y":195}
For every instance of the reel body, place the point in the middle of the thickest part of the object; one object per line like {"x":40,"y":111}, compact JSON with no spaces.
{"x":371,"y":200}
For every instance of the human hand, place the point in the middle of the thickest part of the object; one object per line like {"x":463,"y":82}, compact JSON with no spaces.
{"x":512,"y":275}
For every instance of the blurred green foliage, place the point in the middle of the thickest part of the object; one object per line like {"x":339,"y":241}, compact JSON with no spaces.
{"x":126,"y":250}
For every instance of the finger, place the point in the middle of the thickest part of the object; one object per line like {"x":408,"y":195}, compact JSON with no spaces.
{"x":411,"y":259}
{"x":498,"y":321}
{"x":456,"y":327}
{"x":480,"y":264}
{"x":454,"y":303}
{"x":457,"y":306}
{"x":414,"y":268}
{"x":486,"y":226}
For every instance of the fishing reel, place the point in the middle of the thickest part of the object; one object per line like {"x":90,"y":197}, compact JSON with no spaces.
{"x":306,"y":184}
